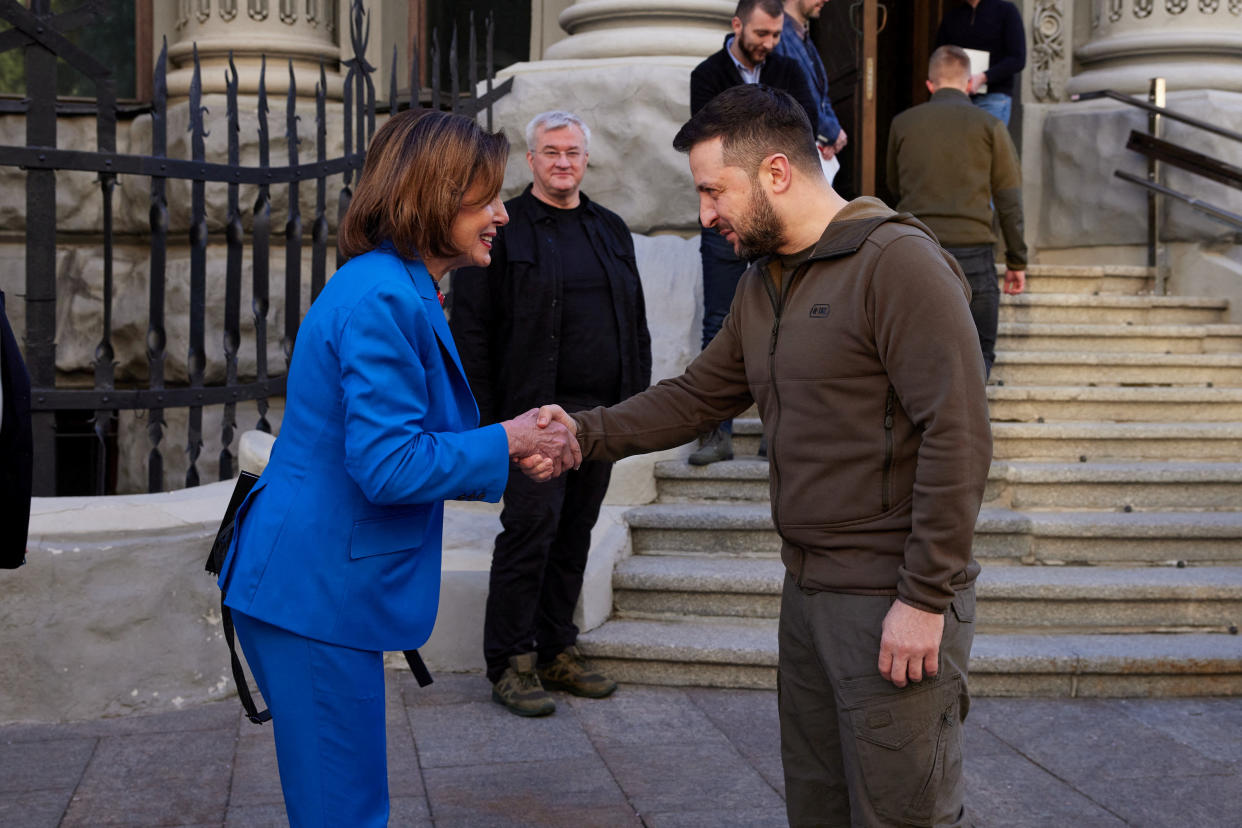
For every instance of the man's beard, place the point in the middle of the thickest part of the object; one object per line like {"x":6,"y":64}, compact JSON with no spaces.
{"x":763,"y":234}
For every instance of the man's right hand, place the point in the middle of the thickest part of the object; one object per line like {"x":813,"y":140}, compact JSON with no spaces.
{"x":553,"y":443}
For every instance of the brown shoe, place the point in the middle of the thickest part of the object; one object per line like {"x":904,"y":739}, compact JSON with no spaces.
{"x":570,"y":671}
{"x":519,"y":689}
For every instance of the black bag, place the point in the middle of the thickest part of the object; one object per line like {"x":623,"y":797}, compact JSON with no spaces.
{"x":215,"y":562}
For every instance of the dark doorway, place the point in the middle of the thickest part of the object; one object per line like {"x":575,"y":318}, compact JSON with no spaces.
{"x":905,"y":31}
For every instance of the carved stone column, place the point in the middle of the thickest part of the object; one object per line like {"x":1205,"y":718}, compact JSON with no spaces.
{"x":305,"y":32}
{"x":1194,"y":44}
{"x":632,"y":28}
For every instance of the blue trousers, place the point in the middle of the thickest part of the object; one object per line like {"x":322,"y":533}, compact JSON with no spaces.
{"x":994,"y":103}
{"x":327,"y":706}
{"x":722,"y":270}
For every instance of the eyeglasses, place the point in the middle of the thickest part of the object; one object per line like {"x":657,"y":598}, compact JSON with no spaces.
{"x":572,"y":156}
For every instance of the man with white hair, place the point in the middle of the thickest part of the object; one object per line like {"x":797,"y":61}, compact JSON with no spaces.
{"x":558,"y":314}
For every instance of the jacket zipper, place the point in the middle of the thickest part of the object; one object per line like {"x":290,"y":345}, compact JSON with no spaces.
{"x":778,"y":307}
{"x":886,"y":482}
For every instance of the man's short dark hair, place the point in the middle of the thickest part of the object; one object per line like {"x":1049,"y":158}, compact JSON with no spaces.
{"x":754,"y":121}
{"x":772,"y":8}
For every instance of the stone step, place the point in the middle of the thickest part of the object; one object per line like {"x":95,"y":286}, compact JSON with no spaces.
{"x":1016,"y":484}
{"x":1111,"y":309}
{"x":1141,"y":485}
{"x":742,"y":478}
{"x":1011,"y":598}
{"x":1115,"y":538}
{"x":1095,"y":441}
{"x":1090,"y":279}
{"x":743,"y":653}
{"x":1027,"y":367}
{"x":1047,"y":403}
{"x":1001,"y":535}
{"x":1160,"y":339}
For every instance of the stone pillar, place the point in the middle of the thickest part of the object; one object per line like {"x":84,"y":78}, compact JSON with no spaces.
{"x":306,"y":32}
{"x":1193,"y":44}
{"x":631,"y":28}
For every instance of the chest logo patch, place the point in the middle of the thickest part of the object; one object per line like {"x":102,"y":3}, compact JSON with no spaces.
{"x":820,"y":311}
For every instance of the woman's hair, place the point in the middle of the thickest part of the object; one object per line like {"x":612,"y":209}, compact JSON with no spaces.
{"x":419,"y":167}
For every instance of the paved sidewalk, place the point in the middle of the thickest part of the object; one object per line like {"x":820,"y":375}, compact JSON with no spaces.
{"x":653,"y":756}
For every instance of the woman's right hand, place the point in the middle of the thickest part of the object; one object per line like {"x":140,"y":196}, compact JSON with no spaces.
{"x":542,"y":452}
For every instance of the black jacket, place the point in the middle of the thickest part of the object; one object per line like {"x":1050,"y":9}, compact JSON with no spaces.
{"x":995,"y":27}
{"x":718,"y":73}
{"x":506,"y":317}
{"x":16,"y":449}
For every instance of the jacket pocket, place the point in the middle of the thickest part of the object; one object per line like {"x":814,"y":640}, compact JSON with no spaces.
{"x":383,"y":536}
{"x":909,"y":743}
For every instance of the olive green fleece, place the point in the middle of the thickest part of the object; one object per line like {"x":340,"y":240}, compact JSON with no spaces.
{"x":868,"y":377}
{"x":948,"y":163}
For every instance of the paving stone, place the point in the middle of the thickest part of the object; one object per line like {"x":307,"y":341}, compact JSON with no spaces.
{"x":483,"y":732}
{"x":694,"y":777}
{"x":1197,"y":723}
{"x":1007,"y":791}
{"x":1091,"y":739}
{"x":529,"y":792}
{"x":642,"y":715}
{"x":256,"y":778}
{"x":404,"y":777}
{"x":257,"y":816}
{"x":160,"y":779}
{"x":52,"y":765}
{"x":736,"y":818}
{"x":1159,"y":801}
{"x":749,"y":720}
{"x":213,"y":716}
{"x":408,"y":811}
{"x":618,"y":817}
{"x":448,"y":688}
{"x":33,"y":809}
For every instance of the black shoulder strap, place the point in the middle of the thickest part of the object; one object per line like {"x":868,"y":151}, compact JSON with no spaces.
{"x":215,"y":562}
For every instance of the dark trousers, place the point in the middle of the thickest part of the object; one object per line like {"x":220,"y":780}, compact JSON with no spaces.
{"x":856,"y":750}
{"x":722,"y":270}
{"x":538,"y":562}
{"x":979,"y":265}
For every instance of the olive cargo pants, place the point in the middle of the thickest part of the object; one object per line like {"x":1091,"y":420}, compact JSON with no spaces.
{"x":856,"y":750}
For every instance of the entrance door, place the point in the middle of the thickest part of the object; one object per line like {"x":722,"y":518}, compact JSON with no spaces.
{"x":875,"y":52}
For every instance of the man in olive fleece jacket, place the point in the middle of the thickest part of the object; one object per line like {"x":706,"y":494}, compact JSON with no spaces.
{"x":852,"y":333}
{"x":949,"y":162}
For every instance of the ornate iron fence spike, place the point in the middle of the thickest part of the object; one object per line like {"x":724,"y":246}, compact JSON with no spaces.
{"x":435,"y":68}
{"x":319,"y":231}
{"x":232,"y":275}
{"x":488,"y":69}
{"x":454,"y":100}
{"x":415,"y":88}
{"x":473,"y":73}
{"x":392,"y":84}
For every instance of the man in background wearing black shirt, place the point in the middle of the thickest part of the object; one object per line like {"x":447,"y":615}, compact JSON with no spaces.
{"x":558,"y":314}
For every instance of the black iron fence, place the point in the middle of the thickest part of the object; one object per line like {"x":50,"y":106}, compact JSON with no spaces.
{"x":39,"y":33}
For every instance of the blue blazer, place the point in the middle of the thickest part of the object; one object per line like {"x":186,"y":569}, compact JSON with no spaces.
{"x":340,"y":539}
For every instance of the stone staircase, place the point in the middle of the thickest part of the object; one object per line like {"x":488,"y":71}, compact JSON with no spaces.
{"x":1110,"y":535}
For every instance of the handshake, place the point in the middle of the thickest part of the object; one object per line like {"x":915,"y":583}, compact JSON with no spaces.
{"x":543,"y":442}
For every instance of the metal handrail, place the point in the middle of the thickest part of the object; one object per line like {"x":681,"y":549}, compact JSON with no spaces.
{"x":1158,"y":110}
{"x":1158,"y":152}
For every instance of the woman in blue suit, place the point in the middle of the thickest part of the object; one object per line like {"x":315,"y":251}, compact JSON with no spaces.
{"x":337,"y":553}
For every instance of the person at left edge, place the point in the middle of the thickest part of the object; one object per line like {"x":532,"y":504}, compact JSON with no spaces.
{"x":336,"y":557}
